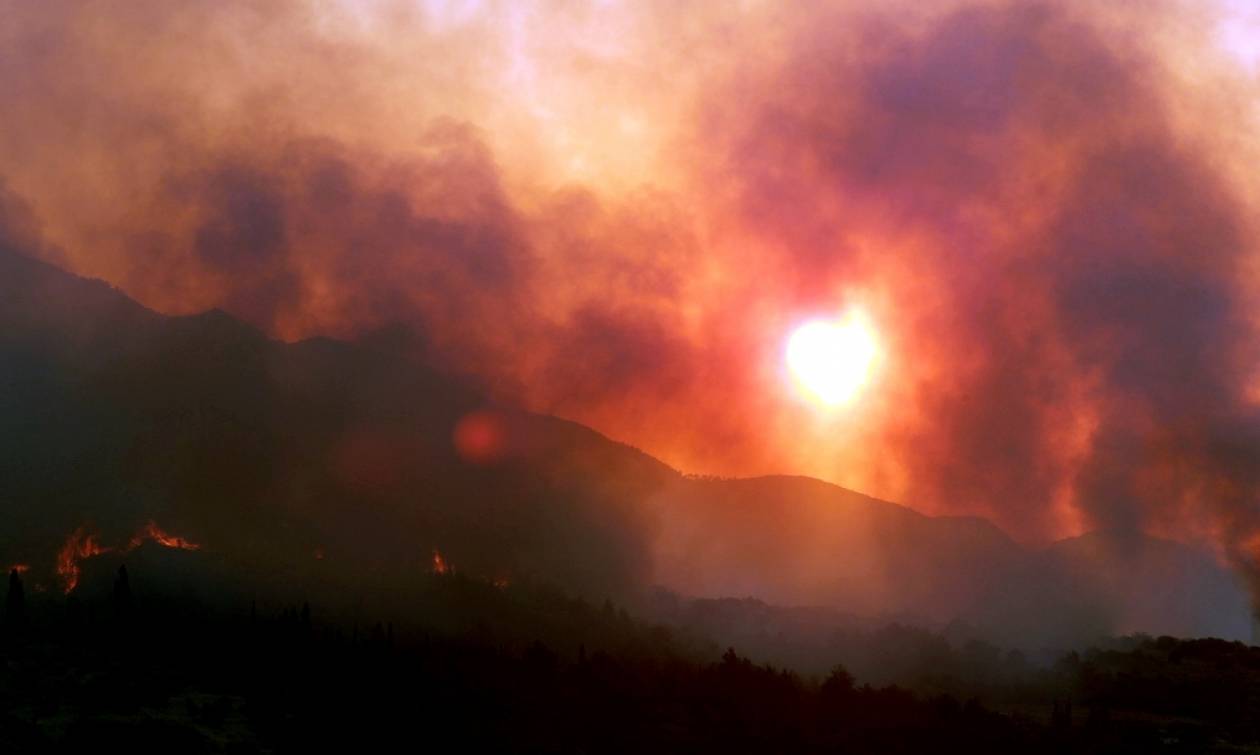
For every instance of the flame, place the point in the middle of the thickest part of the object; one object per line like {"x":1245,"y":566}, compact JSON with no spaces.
{"x":81,"y":545}
{"x":150,"y":531}
{"x":20,"y":568}
{"x":501,"y":582}
{"x":440,"y":565}
{"x":78,"y":546}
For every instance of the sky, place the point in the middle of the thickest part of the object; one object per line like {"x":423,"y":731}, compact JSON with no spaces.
{"x":620,"y":212}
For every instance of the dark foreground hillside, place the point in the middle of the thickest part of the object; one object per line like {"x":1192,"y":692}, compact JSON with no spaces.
{"x":119,"y":675}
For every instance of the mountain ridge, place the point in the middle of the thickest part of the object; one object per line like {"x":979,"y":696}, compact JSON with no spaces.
{"x":272,"y":451}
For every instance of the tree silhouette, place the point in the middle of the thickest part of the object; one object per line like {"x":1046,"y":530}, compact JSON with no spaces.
{"x":122,"y":592}
{"x":15,"y":602}
{"x":838,"y":684}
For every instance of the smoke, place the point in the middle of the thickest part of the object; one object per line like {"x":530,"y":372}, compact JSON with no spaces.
{"x":617,"y":214}
{"x":1065,"y":258}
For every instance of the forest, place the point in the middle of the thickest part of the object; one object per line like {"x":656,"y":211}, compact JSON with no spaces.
{"x":161,"y":673}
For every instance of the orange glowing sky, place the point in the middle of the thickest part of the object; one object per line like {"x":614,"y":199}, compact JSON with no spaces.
{"x":618,"y":212}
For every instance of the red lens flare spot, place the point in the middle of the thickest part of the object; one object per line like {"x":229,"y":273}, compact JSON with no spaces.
{"x":480,"y":437}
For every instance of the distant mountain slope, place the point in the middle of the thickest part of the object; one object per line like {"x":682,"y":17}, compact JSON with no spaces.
{"x":797,"y":541}
{"x":807,"y":542}
{"x":1116,"y":582}
{"x":363,"y":458}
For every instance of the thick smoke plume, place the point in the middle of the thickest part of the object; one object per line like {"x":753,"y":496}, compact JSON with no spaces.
{"x":616,"y":213}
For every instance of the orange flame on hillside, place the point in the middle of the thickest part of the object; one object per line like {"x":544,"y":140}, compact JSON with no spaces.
{"x":150,"y":531}
{"x":440,"y":565}
{"x":81,"y":545}
{"x":20,"y":568}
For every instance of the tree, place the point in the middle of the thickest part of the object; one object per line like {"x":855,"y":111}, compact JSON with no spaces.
{"x":838,"y":684}
{"x":15,"y":602}
{"x":122,"y":592}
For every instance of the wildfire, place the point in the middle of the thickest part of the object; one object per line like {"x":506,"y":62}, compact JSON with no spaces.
{"x":81,"y":545}
{"x":440,"y":565}
{"x":19,"y":568}
{"x":150,"y":531}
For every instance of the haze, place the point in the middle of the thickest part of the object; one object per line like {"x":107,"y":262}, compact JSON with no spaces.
{"x":618,"y":213}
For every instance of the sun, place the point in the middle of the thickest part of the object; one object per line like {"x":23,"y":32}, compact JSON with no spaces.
{"x":830,"y":360}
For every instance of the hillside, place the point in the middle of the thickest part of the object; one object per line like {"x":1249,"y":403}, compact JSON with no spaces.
{"x":807,"y":542}
{"x":293,"y":461}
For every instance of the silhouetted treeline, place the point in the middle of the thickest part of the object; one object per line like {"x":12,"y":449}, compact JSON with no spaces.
{"x":15,"y":603}
{"x":136,"y":674}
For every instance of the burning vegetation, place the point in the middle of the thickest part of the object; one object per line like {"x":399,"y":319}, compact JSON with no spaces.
{"x":79,"y":545}
{"x":441,"y":566}
{"x":150,"y":531}
{"x":82,"y":545}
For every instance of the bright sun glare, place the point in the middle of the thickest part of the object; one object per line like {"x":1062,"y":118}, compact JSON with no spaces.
{"x":831,"y":360}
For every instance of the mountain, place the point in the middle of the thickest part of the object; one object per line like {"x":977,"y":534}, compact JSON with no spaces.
{"x":1115,"y":582}
{"x":807,"y":542}
{"x":801,"y":542}
{"x":281,"y":455}
{"x":356,"y":463}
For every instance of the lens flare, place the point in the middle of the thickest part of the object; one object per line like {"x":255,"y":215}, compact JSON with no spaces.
{"x":830,"y":361}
